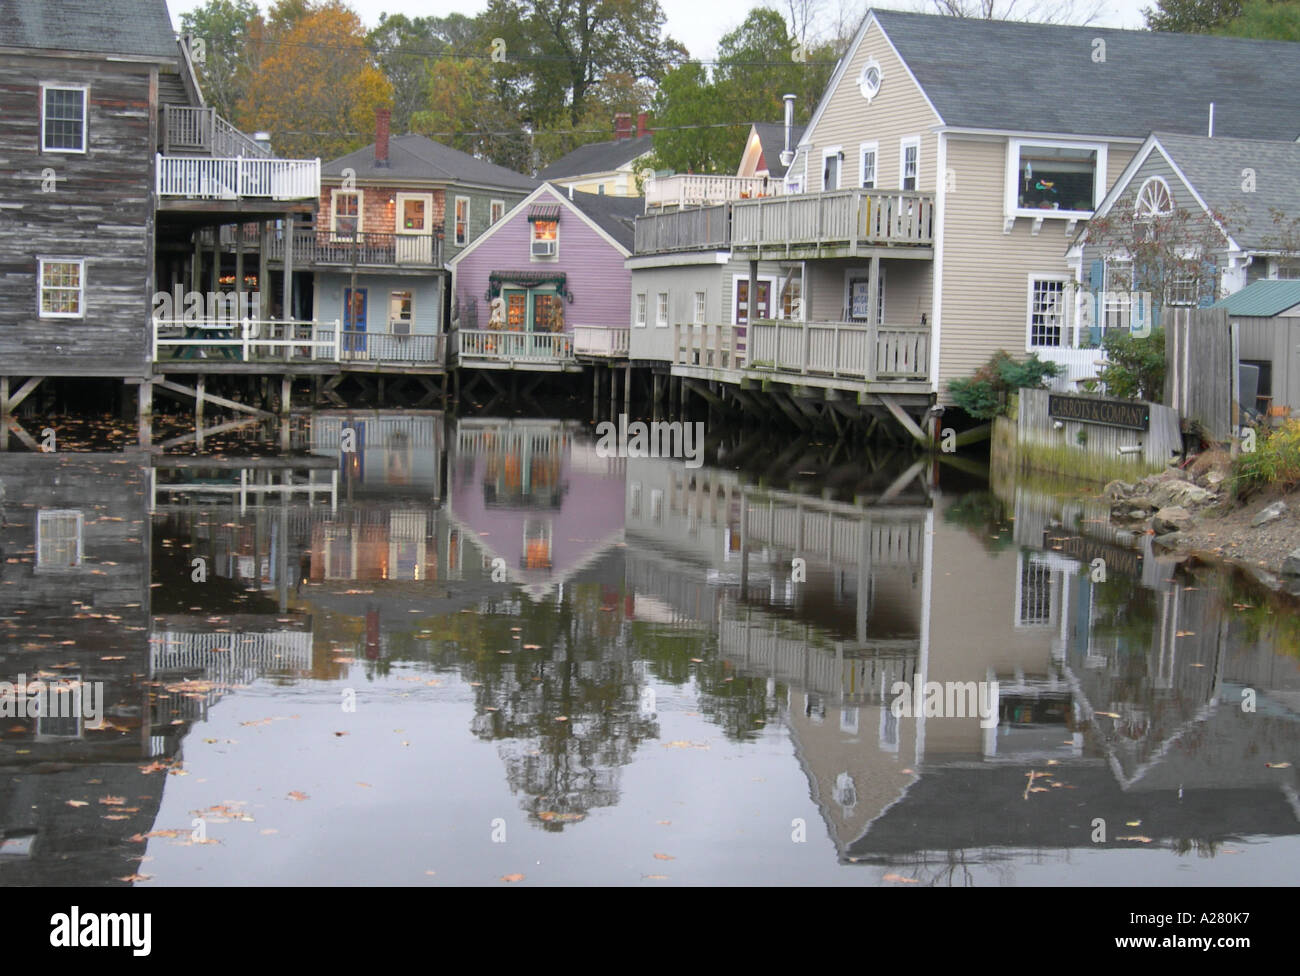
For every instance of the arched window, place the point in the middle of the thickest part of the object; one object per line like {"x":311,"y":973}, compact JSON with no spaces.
{"x":1154,"y":199}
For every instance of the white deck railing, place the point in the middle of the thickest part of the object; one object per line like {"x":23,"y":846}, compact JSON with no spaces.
{"x":249,"y":340}
{"x":601,"y":340}
{"x":194,"y":128}
{"x":224,"y":178}
{"x":385,"y":347}
{"x":525,"y":347}
{"x":714,"y":346}
{"x":694,"y":190}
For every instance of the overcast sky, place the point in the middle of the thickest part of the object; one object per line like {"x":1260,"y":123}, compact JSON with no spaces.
{"x":698,"y":26}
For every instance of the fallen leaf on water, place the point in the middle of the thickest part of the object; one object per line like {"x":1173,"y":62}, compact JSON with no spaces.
{"x":342,"y":733}
{"x":1281,"y":765}
{"x":1185,"y":633}
{"x":1132,"y":823}
{"x":1136,"y":837}
{"x":663,"y":823}
{"x":78,"y":803}
{"x":269,"y":830}
{"x":900,"y":879}
{"x":298,"y":795}
{"x":136,"y":877}
{"x":664,"y":857}
{"x":512,"y":877}
{"x":697,"y":660}
{"x":1107,"y":714}
{"x":532,"y":647}
{"x":561,"y":718}
{"x":112,"y":801}
{"x":359,"y":783}
{"x":655,"y":877}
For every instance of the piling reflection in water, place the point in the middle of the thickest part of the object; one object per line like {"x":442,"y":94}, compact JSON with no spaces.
{"x":579,"y":607}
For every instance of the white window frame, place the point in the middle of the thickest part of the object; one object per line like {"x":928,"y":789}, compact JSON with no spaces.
{"x":1154,"y":181}
{"x":827,"y":153}
{"x":872,"y":147}
{"x":391,"y":320}
{"x":81,"y":290}
{"x":859,"y":273}
{"x":496,"y":210}
{"x":1011,"y":203}
{"x":700,"y":308}
{"x":399,"y":220}
{"x":543,"y":258}
{"x":334,"y":210}
{"x":1043,"y":574}
{"x":1121,"y":306}
{"x":456,"y":237}
{"x":85,"y":119}
{"x":69,"y":684}
{"x":1033,"y":278}
{"x":904,"y":144}
{"x":640,"y":309}
{"x":661,"y":310}
{"x":50,"y":513}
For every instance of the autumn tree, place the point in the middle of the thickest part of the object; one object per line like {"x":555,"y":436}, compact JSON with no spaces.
{"x":222,"y":26}
{"x":1035,"y":11}
{"x":316,"y":87}
{"x":405,"y":48}
{"x":467,"y":107}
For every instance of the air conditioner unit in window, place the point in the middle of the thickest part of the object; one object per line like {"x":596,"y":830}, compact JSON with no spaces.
{"x":543,"y":249}
{"x":401,"y":326}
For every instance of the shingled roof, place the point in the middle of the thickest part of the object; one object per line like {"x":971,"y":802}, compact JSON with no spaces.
{"x":415,"y":157}
{"x":1214,"y":168}
{"x":995,"y":74}
{"x":614,"y":215}
{"x":597,"y":157}
{"x":142,"y":28}
{"x":771,"y":136}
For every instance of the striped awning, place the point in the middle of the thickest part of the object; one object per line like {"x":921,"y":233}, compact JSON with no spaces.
{"x":544,"y":211}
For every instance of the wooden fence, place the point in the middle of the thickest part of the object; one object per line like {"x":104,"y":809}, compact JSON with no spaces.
{"x":1152,"y":447}
{"x":1199,"y":382}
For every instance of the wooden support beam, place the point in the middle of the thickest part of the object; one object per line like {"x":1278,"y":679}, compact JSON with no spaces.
{"x":286,"y":393}
{"x":902,"y":481}
{"x":30,"y":384}
{"x":797,"y":418}
{"x":144,"y":413}
{"x":199,"y":434}
{"x":904,"y":421}
{"x":185,"y":391}
{"x":264,"y":271}
{"x":328,"y":390}
{"x":702,"y":389}
{"x":18,"y":431}
{"x":4,"y":396}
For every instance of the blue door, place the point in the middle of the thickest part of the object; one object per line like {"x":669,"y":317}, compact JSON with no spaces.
{"x":354,"y":320}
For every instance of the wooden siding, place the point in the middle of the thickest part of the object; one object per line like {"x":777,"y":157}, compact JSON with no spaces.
{"x":681,"y":282}
{"x":328,"y":304}
{"x":908,"y":288}
{"x":100,"y":210}
{"x":1275,"y":340}
{"x":898,"y":111}
{"x":595,"y":276}
{"x":986,"y":272}
{"x":1034,"y":425}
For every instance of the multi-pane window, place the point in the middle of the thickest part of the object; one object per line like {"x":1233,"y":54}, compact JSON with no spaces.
{"x":548,"y":313}
{"x":701,"y":303}
{"x":1181,"y":289}
{"x":1035,"y":590}
{"x":1117,"y":303}
{"x":63,"y":120}
{"x":496,"y":210}
{"x":516,"y":311}
{"x":58,"y":539}
{"x":414,"y":213}
{"x":462,"y":221}
{"x":831,"y":170}
{"x":62,"y":288}
{"x":347,"y":212}
{"x":1288,"y":271}
{"x":869,"y":168}
{"x":661,"y":310}
{"x":1046,"y":312}
{"x":640,"y":318}
{"x":910,"y":167}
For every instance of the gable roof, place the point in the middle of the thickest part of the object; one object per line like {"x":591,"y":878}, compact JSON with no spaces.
{"x":1004,"y":75}
{"x":597,"y":157}
{"x":606,"y":215}
{"x":416,"y":157}
{"x":614,"y":215}
{"x":771,"y":136}
{"x":1214,"y":168}
{"x":1263,"y":299}
{"x":142,"y":28}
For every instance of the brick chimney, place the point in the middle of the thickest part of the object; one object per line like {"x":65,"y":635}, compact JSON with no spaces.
{"x":383,"y":119}
{"x":642,"y":124}
{"x":622,"y":126}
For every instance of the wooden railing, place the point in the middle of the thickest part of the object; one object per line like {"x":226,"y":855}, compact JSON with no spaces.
{"x":830,"y":349}
{"x":713,"y":346}
{"x":601,"y":340}
{"x":526,"y":347}
{"x":364,"y":249}
{"x":195,"y":129}
{"x":385,"y":347}
{"x":840,"y":349}
{"x":697,"y":229}
{"x":249,"y":340}
{"x":694,"y":190}
{"x":840,"y":217}
{"x":221,"y":178}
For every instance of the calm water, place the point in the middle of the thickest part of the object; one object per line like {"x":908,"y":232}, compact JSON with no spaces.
{"x":471,"y":650}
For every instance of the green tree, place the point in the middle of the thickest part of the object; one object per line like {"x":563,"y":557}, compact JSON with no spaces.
{"x":222,"y":26}
{"x":1190,"y":16}
{"x":1269,"y":20}
{"x":692,"y":134}
{"x":1135,"y":365}
{"x":469,"y":109}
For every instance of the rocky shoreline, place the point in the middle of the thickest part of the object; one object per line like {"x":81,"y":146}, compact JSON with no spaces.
{"x":1193,"y":511}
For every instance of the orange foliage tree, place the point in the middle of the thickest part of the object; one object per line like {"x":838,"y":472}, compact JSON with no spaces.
{"x":314,"y":84}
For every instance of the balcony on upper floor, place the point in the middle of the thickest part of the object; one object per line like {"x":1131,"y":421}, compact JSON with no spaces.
{"x":702,"y":189}
{"x":840,"y":223}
